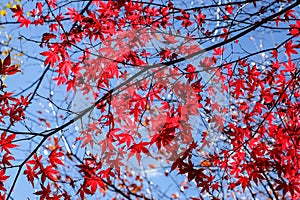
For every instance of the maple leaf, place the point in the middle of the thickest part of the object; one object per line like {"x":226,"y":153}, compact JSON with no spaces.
{"x":31,"y":174}
{"x":71,"y":85}
{"x":125,"y":138}
{"x":6,"y":61}
{"x":53,"y":27}
{"x":289,"y":66}
{"x":164,"y":138}
{"x":6,"y":142}
{"x":140,"y":147}
{"x":274,"y":53}
{"x":52,"y":57}
{"x":137,"y":149}
{"x":215,"y":186}
{"x":219,"y":51}
{"x":185,"y":19}
{"x":295,"y":28}
{"x":208,"y":62}
{"x":39,"y":6}
{"x":239,"y":86}
{"x":44,"y":193}
{"x":74,"y":15}
{"x":290,"y":48}
{"x":5,"y":69}
{"x":200,"y":18}
{"x":52,"y":3}
{"x":24,"y":100}
{"x":229,"y":9}
{"x":256,"y":177}
{"x":50,"y":172}
{"x":86,"y":138}
{"x":48,"y":36}
{"x":65,"y":67}
{"x":205,"y":163}
{"x":191,"y":75}
{"x":225,"y":34}
{"x":289,"y":14}
{"x":60,"y":79}
{"x":231,"y":186}
{"x":94,"y":183}
{"x":6,"y":159}
{"x":277,"y":20}
{"x":55,"y":157}
{"x":244,"y":181}
{"x":24,"y":21}
{"x":18,"y":11}
{"x":3,"y":177}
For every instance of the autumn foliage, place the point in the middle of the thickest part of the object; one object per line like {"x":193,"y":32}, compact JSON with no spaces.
{"x":204,"y":94}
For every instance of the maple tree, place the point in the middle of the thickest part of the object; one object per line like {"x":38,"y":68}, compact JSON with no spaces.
{"x":98,"y":98}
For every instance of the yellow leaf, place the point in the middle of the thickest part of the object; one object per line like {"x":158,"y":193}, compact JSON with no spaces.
{"x":147,"y":107}
{"x":8,"y":5}
{"x":152,"y":166}
{"x":3,"y":12}
{"x":15,"y":6}
{"x":205,"y":163}
{"x":3,"y":77}
{"x":146,"y":122}
{"x":6,"y":52}
{"x":175,"y":196}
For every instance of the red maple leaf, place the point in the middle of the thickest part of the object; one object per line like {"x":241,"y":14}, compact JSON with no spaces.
{"x":48,"y":36}
{"x":6,"y":69}
{"x":289,"y":66}
{"x":229,"y":9}
{"x":191,"y":75}
{"x":6,"y":142}
{"x":49,"y":172}
{"x":137,"y":149}
{"x":3,"y":178}
{"x":7,"y":158}
{"x":30,"y":173}
{"x":44,"y":192}
{"x":52,"y":3}
{"x":225,"y":33}
{"x":52,"y":57}
{"x":289,"y":14}
{"x":219,"y":51}
{"x":18,"y":11}
{"x":24,"y":21}
{"x":55,"y":157}
{"x":290,"y":48}
{"x":39,"y":6}
{"x":295,"y":28}
{"x":94,"y":183}
{"x":200,"y":18}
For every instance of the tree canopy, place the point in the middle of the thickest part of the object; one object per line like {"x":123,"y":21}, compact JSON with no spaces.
{"x":151,"y":99}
